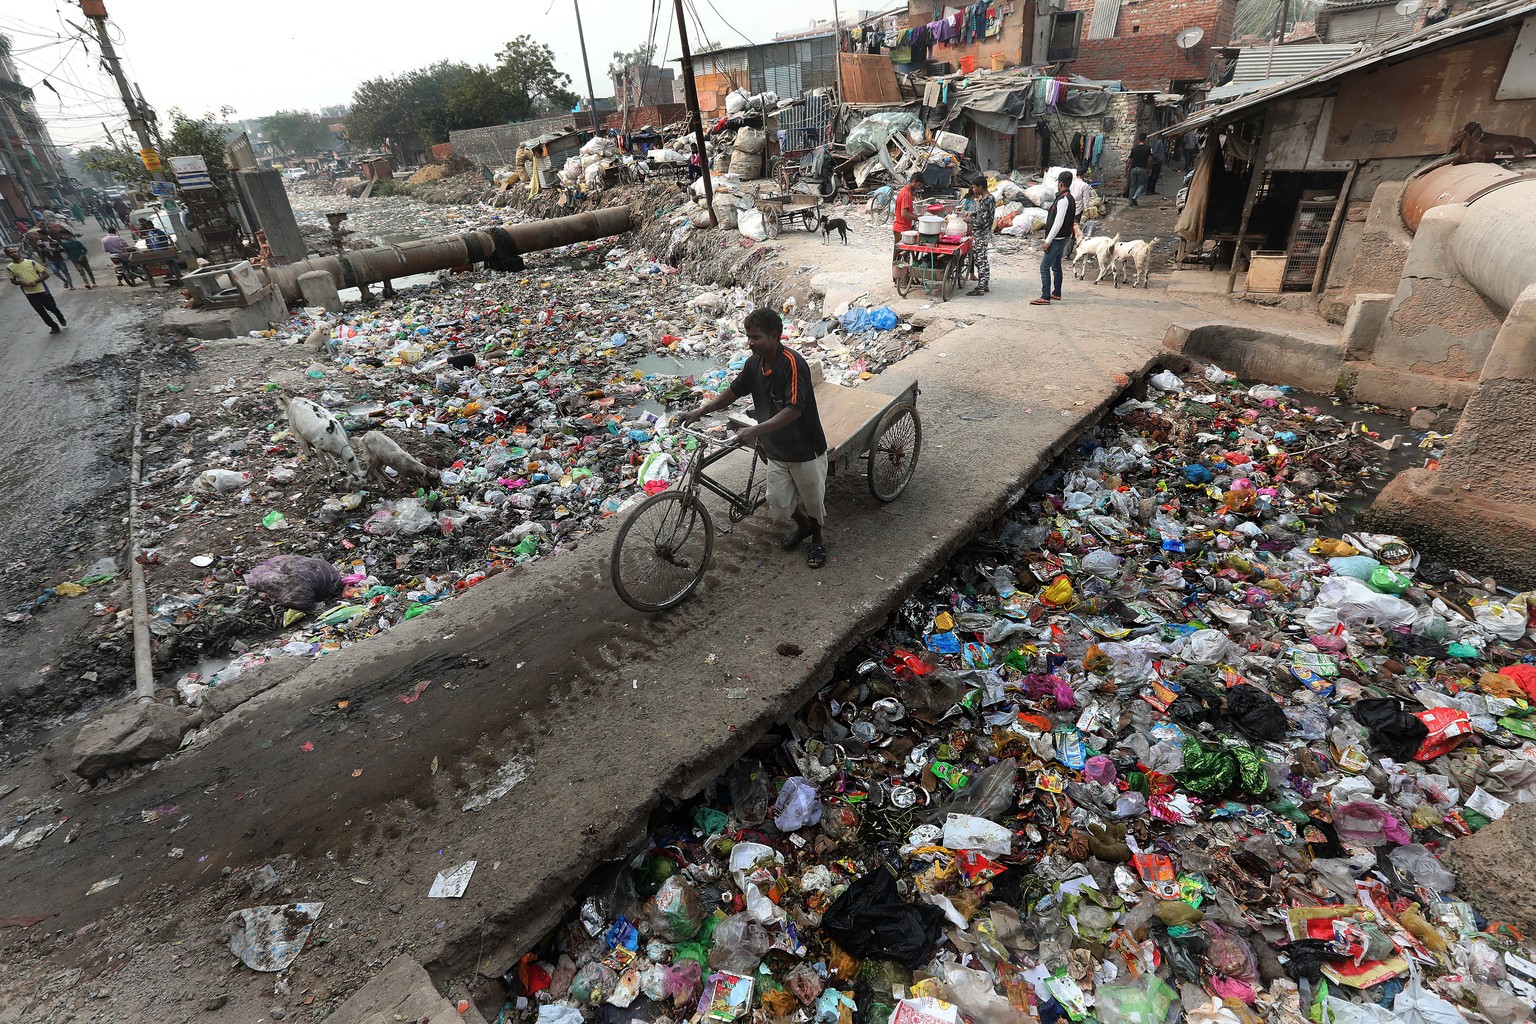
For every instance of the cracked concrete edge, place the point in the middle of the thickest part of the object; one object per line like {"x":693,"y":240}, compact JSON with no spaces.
{"x":548,"y":900}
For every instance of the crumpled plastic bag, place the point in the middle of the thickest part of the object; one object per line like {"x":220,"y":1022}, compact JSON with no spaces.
{"x":1356,"y":602}
{"x":676,"y":911}
{"x":1416,"y":1004}
{"x":866,"y":319}
{"x":738,"y":946}
{"x":870,"y":919}
{"x":1255,"y":712}
{"x":404,"y":517}
{"x":1139,"y":1002}
{"x":272,"y":937}
{"x":968,"y":832}
{"x":559,"y":1013}
{"x":798,"y":805}
{"x":1422,"y":867}
{"x":295,"y":581}
{"x":1394,"y":731}
{"x":1504,"y":621}
{"x":1207,"y":647}
{"x":1213,"y":770}
{"x":1342,"y":1011}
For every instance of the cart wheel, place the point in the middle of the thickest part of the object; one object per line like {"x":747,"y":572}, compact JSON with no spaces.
{"x":775,"y":166}
{"x":893,"y":453}
{"x":662,"y":551}
{"x":951,"y":281}
{"x":968,"y":270}
{"x":827,"y":189}
{"x":905,"y":278}
{"x":809,"y":219}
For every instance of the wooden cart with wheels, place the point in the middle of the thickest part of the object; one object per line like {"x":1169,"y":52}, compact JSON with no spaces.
{"x":664,"y":548}
{"x":938,"y":268}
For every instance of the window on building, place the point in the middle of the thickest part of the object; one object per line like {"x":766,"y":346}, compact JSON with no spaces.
{"x":1066,"y":29}
{"x":1106,"y":13}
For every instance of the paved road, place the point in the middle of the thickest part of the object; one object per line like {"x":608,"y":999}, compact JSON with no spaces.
{"x":66,"y":402}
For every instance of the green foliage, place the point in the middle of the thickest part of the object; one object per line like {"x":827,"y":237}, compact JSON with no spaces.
{"x":299,"y":132}
{"x":421,"y":107}
{"x":207,"y":137}
{"x":107,"y":165}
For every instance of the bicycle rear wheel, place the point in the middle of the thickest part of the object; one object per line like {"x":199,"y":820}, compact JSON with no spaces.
{"x":662,"y":551}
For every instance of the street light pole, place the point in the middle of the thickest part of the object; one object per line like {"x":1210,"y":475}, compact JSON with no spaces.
{"x":691,"y":94}
{"x":586,"y":66}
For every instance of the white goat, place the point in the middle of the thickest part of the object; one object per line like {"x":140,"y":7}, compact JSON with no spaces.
{"x":1099,"y":247}
{"x":1139,"y":252}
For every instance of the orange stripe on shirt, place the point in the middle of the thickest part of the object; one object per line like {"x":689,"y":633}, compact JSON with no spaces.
{"x":794,"y":378}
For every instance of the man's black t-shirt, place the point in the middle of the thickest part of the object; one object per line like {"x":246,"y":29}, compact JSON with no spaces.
{"x":783,"y":381}
{"x":1141,"y":155}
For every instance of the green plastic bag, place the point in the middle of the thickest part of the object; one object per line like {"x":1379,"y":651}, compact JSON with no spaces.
{"x":1145,"y":1002}
{"x":1389,"y":581}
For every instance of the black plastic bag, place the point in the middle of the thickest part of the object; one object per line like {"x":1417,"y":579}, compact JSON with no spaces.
{"x":1255,"y":712}
{"x":870,"y":919}
{"x":1197,"y":705}
{"x":1394,"y":731}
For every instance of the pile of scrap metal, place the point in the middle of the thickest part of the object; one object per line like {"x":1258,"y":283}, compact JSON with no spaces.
{"x":887,"y":148}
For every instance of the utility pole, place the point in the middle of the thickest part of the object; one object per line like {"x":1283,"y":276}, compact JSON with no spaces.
{"x":691,"y":94}
{"x":837,"y":42}
{"x":97,"y":13}
{"x":1280,"y":27}
{"x":587,"y":67}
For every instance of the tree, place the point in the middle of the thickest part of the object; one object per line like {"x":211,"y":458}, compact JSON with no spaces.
{"x":207,"y":137}
{"x":108,"y":165}
{"x":421,"y":107}
{"x":296,"y":131}
{"x":526,"y":70}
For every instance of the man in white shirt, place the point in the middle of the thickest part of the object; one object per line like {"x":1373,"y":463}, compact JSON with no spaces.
{"x":1059,"y":223}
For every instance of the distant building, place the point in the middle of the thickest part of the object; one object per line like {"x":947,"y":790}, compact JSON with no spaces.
{"x":788,"y":68}
{"x":32,"y":172}
{"x":1166,"y":45}
{"x":644,"y":86}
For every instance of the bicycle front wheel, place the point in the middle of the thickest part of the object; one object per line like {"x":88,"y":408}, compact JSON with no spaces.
{"x":662,"y":551}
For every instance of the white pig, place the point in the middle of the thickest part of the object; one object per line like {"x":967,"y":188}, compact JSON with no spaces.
{"x":313,"y":426}
{"x":382,"y":452}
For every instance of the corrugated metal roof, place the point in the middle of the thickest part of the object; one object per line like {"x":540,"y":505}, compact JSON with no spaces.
{"x":1256,"y":63}
{"x":1431,"y":37}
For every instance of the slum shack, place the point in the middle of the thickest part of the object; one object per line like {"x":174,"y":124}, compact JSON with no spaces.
{"x":1288,"y":171}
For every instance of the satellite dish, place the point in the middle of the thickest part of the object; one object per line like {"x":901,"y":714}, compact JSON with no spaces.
{"x":1406,"y":8}
{"x":1190,"y":36}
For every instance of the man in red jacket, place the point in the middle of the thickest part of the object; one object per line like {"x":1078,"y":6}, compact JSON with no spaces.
{"x":904,"y":217}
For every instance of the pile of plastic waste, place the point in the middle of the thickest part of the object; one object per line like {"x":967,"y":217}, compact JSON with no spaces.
{"x":1162,"y":745}
{"x":510,"y":414}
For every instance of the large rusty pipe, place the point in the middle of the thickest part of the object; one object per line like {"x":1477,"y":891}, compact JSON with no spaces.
{"x":1447,"y":184}
{"x":371,"y":266}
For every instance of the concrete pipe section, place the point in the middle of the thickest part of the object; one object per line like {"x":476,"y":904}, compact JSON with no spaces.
{"x":1495,"y":247}
{"x":371,"y":266}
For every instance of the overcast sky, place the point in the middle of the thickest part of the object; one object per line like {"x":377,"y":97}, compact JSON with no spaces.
{"x":312,"y":53}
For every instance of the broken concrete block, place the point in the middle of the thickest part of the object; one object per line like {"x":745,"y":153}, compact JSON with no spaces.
{"x":128,"y":735}
{"x":1491,"y":864}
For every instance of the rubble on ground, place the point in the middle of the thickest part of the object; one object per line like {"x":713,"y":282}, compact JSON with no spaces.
{"x":515,"y":412}
{"x":1169,"y":742}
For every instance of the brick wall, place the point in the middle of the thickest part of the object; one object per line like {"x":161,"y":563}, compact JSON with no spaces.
{"x":1142,"y":52}
{"x":658,"y":117}
{"x":1014,"y":42}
